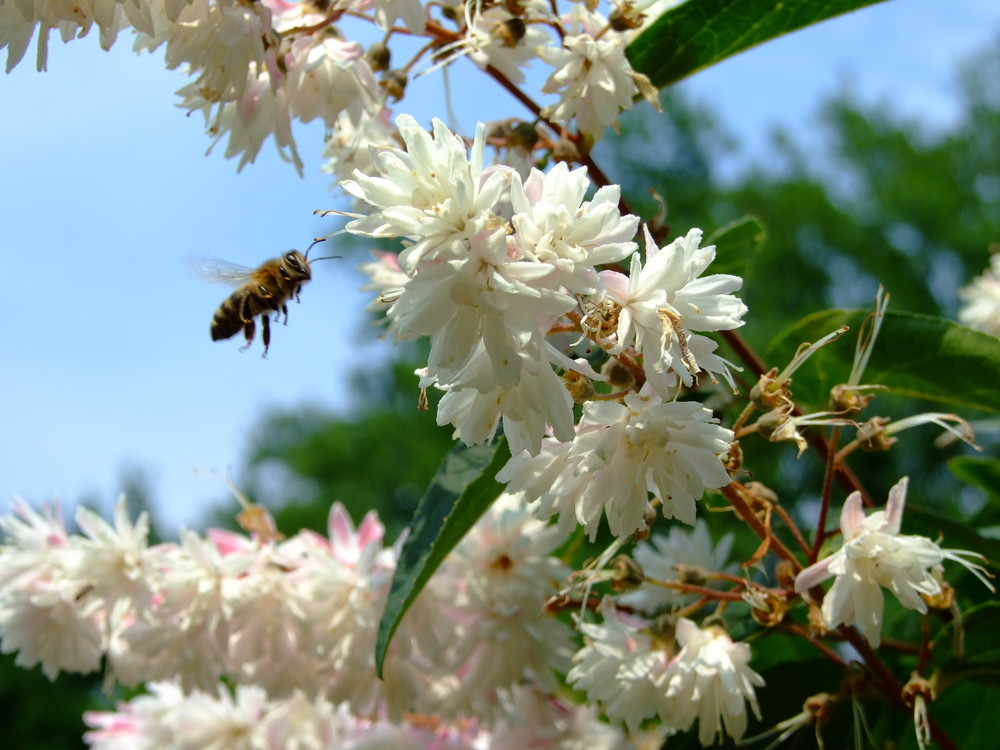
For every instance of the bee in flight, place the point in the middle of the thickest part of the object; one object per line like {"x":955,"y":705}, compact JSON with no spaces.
{"x":260,"y":291}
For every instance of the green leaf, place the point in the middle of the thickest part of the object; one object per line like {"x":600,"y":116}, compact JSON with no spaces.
{"x":981,"y":662}
{"x":699,"y":33}
{"x":737,"y":243}
{"x":915,"y":355}
{"x":459,"y":494}
{"x":984,"y":474}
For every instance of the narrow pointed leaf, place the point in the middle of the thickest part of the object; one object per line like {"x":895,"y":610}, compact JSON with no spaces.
{"x":699,"y":33}
{"x":459,"y":494}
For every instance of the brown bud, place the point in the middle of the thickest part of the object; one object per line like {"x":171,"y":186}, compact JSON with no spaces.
{"x":378,"y":57}
{"x":784,"y":572}
{"x":618,"y":375}
{"x":918,"y":686}
{"x":767,"y":608}
{"x":579,"y":386}
{"x":944,"y":599}
{"x":565,"y":150}
{"x":511,"y":32}
{"x":628,"y":574}
{"x":394,"y":83}
{"x":625,"y":17}
{"x":769,"y":422}
{"x":663,"y":631}
{"x":769,"y":393}
{"x":872,"y":437}
{"x":821,"y":708}
{"x":848,"y":400}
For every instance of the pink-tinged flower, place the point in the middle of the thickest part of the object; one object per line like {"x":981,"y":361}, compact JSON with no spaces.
{"x":531,"y":719}
{"x":875,"y":556}
{"x":594,"y":80}
{"x":665,"y":301}
{"x":710,"y":680}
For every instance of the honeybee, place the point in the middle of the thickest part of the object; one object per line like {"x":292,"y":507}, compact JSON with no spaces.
{"x":261,"y":291}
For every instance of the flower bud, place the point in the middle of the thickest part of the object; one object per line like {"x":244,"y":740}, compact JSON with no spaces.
{"x":767,"y":608}
{"x":848,"y":400}
{"x":394,"y":84}
{"x":618,"y":375}
{"x":511,"y":32}
{"x":628,"y":574}
{"x":769,"y":393}
{"x":579,"y":386}
{"x":378,"y":57}
{"x":872,"y":437}
{"x":565,"y":150}
{"x":625,"y":17}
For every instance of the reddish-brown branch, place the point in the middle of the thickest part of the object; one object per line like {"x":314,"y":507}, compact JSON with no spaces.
{"x":733,"y":492}
{"x":824,"y":506}
{"x":889,"y":684}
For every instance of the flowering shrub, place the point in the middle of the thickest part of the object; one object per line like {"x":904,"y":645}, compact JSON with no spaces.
{"x":589,"y":398}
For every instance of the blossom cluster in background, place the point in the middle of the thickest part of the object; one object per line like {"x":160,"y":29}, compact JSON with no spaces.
{"x":291,"y":625}
{"x":257,"y":67}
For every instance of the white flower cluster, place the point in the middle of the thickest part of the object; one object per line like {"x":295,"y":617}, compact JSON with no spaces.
{"x":876,"y":556}
{"x":491,"y":264}
{"x":700,"y":674}
{"x":296,"y":619}
{"x":981,"y":298}
{"x":258,"y":65}
{"x":249,"y":719}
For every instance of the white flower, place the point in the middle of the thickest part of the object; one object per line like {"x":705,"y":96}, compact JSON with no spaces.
{"x":411,"y":12}
{"x":875,"y":555}
{"x":556,"y":226}
{"x":327,"y":76}
{"x":711,"y":680}
{"x":594,"y":80}
{"x":497,"y":582}
{"x":496,"y":37}
{"x":981,"y":310}
{"x":538,"y":401}
{"x":260,"y":112}
{"x":220,"y":720}
{"x":619,"y":667}
{"x":530,"y":719}
{"x":428,"y":193}
{"x":504,"y":564}
{"x":663,"y":557}
{"x":348,"y":147}
{"x":18,"y":21}
{"x":663,"y":302}
{"x":620,"y":454}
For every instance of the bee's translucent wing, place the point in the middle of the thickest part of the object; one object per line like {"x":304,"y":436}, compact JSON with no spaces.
{"x":218,"y":271}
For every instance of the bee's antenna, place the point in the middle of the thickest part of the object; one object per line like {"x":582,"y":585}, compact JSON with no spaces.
{"x":326,"y":257}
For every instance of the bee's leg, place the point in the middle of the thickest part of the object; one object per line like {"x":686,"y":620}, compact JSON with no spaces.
{"x":284,"y":309}
{"x":248,"y":332}
{"x":265,"y":321}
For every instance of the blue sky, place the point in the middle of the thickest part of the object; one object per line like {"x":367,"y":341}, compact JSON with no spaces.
{"x":106,"y":353}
